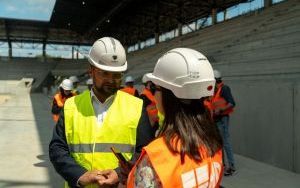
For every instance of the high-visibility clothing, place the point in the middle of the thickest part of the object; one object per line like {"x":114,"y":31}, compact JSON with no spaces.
{"x":89,"y":142}
{"x":129,"y":90}
{"x":171,"y":173}
{"x":151,"y":108}
{"x":218,"y":102}
{"x":208,"y":105}
{"x":75,"y":92}
{"x":60,"y":101}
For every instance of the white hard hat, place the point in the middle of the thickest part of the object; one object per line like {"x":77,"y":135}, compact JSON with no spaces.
{"x":74,"y":79}
{"x":129,"y":79}
{"x":186,"y":72}
{"x":108,"y":54}
{"x":145,"y":78}
{"x":217,"y":74}
{"x":89,"y":81}
{"x":67,"y":84}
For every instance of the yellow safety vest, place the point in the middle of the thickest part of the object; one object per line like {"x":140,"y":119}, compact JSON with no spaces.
{"x":89,"y":142}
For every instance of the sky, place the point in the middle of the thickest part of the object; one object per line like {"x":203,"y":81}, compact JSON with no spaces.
{"x":40,"y":10}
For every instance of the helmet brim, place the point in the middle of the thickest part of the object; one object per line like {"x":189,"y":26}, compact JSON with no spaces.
{"x":190,"y":90}
{"x":122,"y":68}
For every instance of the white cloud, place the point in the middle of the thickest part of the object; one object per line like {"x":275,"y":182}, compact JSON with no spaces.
{"x":11,"y":8}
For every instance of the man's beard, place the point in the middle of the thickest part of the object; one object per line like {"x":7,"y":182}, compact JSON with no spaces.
{"x":106,"y":90}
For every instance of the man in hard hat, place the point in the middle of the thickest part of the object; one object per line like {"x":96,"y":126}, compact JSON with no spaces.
{"x":222,"y":105}
{"x":65,"y":92}
{"x":149,"y":101}
{"x":98,"y":119}
{"x":75,"y":81}
{"x":129,"y":88}
{"x":89,"y":83}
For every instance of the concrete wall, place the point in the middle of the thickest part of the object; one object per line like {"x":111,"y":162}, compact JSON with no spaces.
{"x":259,"y":56}
{"x":18,"y":68}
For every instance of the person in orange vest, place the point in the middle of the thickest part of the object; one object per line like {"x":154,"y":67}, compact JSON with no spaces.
{"x":222,"y":105}
{"x":149,"y":101}
{"x":65,"y":92}
{"x":188,"y":149}
{"x":129,"y":88}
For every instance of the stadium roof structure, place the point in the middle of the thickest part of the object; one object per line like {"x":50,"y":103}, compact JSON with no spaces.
{"x":81,"y":22}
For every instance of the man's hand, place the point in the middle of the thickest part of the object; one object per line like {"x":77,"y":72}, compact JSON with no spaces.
{"x":111,"y":177}
{"x":90,"y":177}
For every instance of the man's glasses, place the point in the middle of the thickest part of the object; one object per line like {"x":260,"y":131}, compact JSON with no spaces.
{"x":108,"y":75}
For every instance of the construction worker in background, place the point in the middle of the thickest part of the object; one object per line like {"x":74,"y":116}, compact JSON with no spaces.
{"x":221,"y":105}
{"x":89,"y":83}
{"x":149,"y":101}
{"x":65,"y":92}
{"x":94,"y":121}
{"x":188,"y":150}
{"x":129,"y":88}
{"x":75,"y":81}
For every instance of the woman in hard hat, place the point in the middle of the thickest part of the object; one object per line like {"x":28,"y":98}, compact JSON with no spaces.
{"x":65,"y":92}
{"x":188,"y":150}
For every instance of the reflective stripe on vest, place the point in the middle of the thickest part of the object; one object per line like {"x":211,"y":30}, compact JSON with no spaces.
{"x":218,"y":102}
{"x":100,"y":147}
{"x":207,"y":173}
{"x":151,"y":108}
{"x":129,"y":90}
{"x":89,"y":142}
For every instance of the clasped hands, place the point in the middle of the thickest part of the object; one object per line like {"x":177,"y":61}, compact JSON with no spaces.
{"x":105,"y":177}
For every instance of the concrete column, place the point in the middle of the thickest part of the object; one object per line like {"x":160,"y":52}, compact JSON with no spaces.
{"x":9,"y":50}
{"x":267,"y":3}
{"x":214,"y":16}
{"x":156,"y":38}
{"x":72,"y":52}
{"x":44,"y":52}
{"x":179,"y":29}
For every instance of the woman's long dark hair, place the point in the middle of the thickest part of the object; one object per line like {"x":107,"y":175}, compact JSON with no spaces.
{"x":187,"y":126}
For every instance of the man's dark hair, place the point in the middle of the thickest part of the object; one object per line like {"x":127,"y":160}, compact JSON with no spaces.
{"x":188,"y":126}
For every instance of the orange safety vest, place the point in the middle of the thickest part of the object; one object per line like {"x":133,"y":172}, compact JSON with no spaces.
{"x":130,"y":90}
{"x":168,"y":167}
{"x":151,"y":108}
{"x":60,"y":101}
{"x":218,"y":102}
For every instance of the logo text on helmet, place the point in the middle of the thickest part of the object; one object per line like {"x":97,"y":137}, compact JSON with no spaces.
{"x":194,"y":74}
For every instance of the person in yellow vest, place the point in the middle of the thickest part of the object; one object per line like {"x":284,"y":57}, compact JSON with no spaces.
{"x":65,"y":92}
{"x":129,"y":88}
{"x":98,"y":119}
{"x":188,"y":150}
{"x":75,"y":81}
{"x":149,"y":101}
{"x":222,"y":104}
